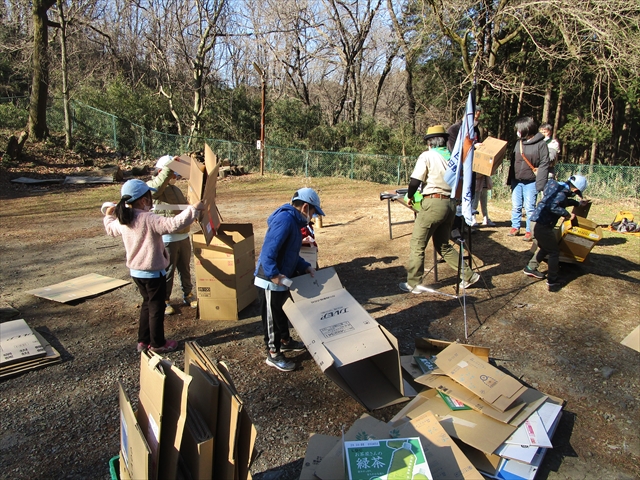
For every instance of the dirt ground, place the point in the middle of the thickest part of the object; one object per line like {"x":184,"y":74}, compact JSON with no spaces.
{"x":63,"y":421}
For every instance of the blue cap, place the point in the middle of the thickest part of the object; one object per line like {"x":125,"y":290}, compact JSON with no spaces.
{"x":308,"y":195}
{"x":135,"y":189}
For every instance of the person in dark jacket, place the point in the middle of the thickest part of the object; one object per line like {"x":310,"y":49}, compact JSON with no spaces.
{"x":528,"y":173}
{"x":280,"y":260}
{"x":557,"y":196}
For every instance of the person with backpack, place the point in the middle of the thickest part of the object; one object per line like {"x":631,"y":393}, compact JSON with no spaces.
{"x":556,"y":197}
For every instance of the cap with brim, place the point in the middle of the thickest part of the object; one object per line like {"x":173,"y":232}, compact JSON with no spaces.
{"x":135,"y":189}
{"x":436,"y":131}
{"x":163,"y":161}
{"x":308,"y":195}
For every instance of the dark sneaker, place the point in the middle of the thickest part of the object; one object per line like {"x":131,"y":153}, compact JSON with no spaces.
{"x":142,"y":347}
{"x":292,"y":346}
{"x":464,"y":284}
{"x":533,"y":273}
{"x":169,"y":346}
{"x":554,"y":285}
{"x":280,"y":362}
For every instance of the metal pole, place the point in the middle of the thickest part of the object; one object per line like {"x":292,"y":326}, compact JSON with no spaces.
{"x":262,"y":126}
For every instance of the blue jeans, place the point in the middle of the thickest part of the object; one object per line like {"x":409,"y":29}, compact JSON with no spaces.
{"x":523,"y":195}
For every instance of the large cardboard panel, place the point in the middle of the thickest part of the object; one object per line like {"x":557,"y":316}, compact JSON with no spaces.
{"x":135,"y":454}
{"x":445,"y":458}
{"x":18,"y":343}
{"x":490,"y":384}
{"x":80,"y":287}
{"x":204,"y":391}
{"x":197,"y":446}
{"x":235,"y":434}
{"x":319,"y":445}
{"x":181,"y":165}
{"x":578,"y":237}
{"x":488,"y":156}
{"x":473,"y":428}
{"x":348,"y":345}
{"x":174,"y":414}
{"x":151,"y":405}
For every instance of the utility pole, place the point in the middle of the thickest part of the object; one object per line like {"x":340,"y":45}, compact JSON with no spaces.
{"x":264,"y":86}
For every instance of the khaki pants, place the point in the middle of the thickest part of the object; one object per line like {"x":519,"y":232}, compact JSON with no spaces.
{"x":433,"y":220}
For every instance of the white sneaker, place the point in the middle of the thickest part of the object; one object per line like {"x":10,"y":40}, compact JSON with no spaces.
{"x":168,"y":309}
{"x":487,"y":222}
{"x":464,"y":284}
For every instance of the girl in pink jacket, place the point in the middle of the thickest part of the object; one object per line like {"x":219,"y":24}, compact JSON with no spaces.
{"x":147,"y":259}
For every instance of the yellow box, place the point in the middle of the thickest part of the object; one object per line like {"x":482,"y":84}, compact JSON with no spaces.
{"x":576,"y":241}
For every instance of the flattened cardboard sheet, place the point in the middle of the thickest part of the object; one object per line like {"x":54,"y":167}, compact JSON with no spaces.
{"x":135,"y":454}
{"x":80,"y":287}
{"x":490,"y":384}
{"x":633,"y":339}
{"x":319,"y":445}
{"x":18,"y":343}
{"x":51,"y":357}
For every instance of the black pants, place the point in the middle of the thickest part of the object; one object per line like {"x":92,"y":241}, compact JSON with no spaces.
{"x":151,"y":326}
{"x":275,"y":323}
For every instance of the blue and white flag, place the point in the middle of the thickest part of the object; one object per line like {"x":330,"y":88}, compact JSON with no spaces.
{"x":461,"y":162}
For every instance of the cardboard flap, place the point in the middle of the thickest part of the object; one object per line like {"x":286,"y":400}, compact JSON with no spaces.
{"x":446,"y":460}
{"x":135,"y":454}
{"x":319,"y":445}
{"x":181,"y":165}
{"x":306,"y":286}
{"x":352,"y":348}
{"x":490,"y":384}
{"x":151,"y":405}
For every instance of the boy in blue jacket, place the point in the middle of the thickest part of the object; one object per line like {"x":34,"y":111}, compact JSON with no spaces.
{"x":280,"y":260}
{"x":556,"y":197}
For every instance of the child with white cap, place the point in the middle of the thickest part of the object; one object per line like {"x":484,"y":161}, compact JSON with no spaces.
{"x":177,"y":244}
{"x":147,"y":258}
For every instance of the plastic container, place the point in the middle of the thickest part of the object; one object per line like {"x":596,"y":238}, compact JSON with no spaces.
{"x":114,"y":467}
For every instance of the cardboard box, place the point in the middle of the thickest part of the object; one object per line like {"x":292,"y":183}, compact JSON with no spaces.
{"x":151,"y":406}
{"x":496,"y":388}
{"x":202,"y":187}
{"x":181,"y":165}
{"x":578,"y":238}
{"x":348,"y":345}
{"x":386,"y":458}
{"x":488,"y":156}
{"x":224,"y":272}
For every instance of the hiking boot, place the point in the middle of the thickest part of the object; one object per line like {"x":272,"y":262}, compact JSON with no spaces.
{"x":464,"y":284}
{"x":190,"y":300}
{"x":514,"y":232}
{"x":487,"y":222}
{"x":292,"y":346}
{"x":405,"y":287}
{"x":169,"y":346}
{"x":279,"y":361}
{"x":527,"y":237}
{"x":533,"y":273}
{"x":142,"y":347}
{"x":168,"y":309}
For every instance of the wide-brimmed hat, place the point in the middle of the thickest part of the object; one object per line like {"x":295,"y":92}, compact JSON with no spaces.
{"x":436,"y":131}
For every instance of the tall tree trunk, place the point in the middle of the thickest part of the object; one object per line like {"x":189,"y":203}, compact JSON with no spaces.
{"x":547,"y":103}
{"x":594,"y":149}
{"x":411,"y":99}
{"x":556,"y":120}
{"x":65,"y":75}
{"x":40,"y":64}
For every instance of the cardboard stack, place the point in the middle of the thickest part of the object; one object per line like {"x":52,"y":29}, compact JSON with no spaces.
{"x":189,"y":424}
{"x":224,"y":252}
{"x":23,"y":349}
{"x":502,"y":426}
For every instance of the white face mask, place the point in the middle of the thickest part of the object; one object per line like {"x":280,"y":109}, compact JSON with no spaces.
{"x":173,"y":181}
{"x":518,"y":134}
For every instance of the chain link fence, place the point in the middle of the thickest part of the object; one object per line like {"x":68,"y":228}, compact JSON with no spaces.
{"x":122,"y":135}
